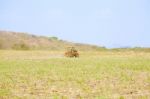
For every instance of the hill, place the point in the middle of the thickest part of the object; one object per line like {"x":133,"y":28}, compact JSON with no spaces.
{"x":25,"y":41}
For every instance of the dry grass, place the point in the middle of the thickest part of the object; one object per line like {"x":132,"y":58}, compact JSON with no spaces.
{"x":95,"y":75}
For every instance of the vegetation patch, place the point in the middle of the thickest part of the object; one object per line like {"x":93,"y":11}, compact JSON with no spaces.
{"x":71,"y":52}
{"x":21,"y":46}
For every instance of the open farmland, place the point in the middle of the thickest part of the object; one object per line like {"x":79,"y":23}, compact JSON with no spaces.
{"x":94,"y":75}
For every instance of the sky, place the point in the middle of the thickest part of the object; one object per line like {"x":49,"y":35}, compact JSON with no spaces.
{"x":109,"y":23}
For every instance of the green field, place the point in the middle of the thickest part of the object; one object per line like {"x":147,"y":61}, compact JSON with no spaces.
{"x":94,"y":75}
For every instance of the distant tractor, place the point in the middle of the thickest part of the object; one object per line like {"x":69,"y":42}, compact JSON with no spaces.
{"x":71,"y":52}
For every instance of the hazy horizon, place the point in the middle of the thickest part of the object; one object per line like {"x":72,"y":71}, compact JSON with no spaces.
{"x":109,"y":23}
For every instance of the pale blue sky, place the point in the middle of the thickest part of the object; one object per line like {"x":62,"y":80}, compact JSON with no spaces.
{"x":110,"y":23}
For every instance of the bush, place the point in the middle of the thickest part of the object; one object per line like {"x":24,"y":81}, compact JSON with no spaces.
{"x":21,"y":46}
{"x":0,"y":45}
{"x":53,"y":38}
{"x":72,"y":52}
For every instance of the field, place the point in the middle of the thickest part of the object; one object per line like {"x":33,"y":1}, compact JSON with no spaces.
{"x":94,"y":75}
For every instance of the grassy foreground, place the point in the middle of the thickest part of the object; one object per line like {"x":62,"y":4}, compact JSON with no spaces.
{"x":95,"y":75}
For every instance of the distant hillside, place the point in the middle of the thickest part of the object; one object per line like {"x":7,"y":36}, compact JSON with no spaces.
{"x":24,"y":41}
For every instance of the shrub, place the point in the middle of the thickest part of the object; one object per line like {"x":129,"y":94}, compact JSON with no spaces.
{"x":0,"y":45}
{"x":53,"y":38}
{"x":21,"y":46}
{"x":71,"y":52}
